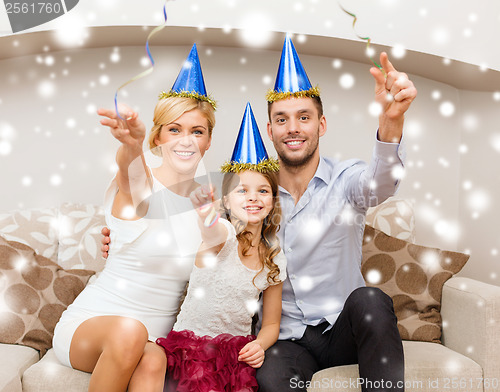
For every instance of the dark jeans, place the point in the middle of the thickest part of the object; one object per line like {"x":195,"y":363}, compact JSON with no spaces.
{"x":365,"y":333}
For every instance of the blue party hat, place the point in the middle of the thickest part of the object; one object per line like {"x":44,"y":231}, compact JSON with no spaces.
{"x":249,"y":151}
{"x":292,"y":80}
{"x":189,"y":82}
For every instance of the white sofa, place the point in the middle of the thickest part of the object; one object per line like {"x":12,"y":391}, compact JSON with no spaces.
{"x":468,"y":359}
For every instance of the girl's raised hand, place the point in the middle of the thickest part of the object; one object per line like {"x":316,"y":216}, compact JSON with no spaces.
{"x":253,"y":354}
{"x":129,"y":131}
{"x":202,"y":199}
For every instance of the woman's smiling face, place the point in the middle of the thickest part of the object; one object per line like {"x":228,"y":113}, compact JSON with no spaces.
{"x":184,"y":141}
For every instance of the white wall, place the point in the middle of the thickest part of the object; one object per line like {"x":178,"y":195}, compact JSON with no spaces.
{"x":59,"y":134}
{"x":479,"y":188}
{"x":456,"y":29}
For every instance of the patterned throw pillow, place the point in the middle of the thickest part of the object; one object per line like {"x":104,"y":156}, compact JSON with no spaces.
{"x":80,"y":236}
{"x":34,"y":292}
{"x":394,"y":217}
{"x":36,"y":228}
{"x":413,"y":276}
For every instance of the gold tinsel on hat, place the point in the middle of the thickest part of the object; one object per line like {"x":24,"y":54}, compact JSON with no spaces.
{"x":187,"y":94}
{"x":264,"y":166}
{"x":273,"y":96}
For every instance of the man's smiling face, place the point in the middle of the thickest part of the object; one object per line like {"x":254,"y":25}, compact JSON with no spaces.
{"x":295,"y":128}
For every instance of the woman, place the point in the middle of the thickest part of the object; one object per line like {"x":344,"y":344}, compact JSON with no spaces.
{"x":111,"y":327}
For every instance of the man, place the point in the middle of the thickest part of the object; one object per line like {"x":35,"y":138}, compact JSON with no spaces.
{"x":329,"y":318}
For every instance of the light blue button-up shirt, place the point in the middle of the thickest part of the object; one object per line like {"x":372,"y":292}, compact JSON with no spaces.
{"x":322,"y":235}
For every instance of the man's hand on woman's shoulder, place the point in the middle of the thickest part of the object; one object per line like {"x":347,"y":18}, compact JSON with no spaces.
{"x":105,"y":240}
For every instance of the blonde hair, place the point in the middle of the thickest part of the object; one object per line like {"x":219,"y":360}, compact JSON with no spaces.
{"x":171,"y":108}
{"x":270,"y":226}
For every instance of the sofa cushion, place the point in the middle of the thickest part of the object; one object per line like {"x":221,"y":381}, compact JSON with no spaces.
{"x":34,"y":291}
{"x":413,"y":276}
{"x":14,"y":360}
{"x":48,"y":375}
{"x":37,"y":228}
{"x":429,"y":367}
{"x":394,"y":217}
{"x":80,"y":236}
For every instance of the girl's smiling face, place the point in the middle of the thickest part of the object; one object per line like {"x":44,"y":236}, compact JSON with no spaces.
{"x":252,"y":199}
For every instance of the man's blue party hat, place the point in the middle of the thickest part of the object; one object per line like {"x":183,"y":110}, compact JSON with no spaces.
{"x":189,"y":82}
{"x":249,"y":151}
{"x":292,"y":80}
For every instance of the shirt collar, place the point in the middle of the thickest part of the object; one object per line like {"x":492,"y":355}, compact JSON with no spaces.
{"x":322,"y":173}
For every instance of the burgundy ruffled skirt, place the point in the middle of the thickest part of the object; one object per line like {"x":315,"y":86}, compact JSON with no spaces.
{"x":206,"y":364}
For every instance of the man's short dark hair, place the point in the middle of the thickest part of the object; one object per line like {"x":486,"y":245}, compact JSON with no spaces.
{"x":316,"y":100}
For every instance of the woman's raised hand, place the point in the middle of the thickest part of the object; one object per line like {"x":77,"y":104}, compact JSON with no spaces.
{"x":129,"y":131}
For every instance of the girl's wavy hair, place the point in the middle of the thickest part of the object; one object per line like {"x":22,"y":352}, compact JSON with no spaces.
{"x":270,"y":226}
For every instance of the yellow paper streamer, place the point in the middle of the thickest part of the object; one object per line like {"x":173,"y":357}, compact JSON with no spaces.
{"x":367,"y":39}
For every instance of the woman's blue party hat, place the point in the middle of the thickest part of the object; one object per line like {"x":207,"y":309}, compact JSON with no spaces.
{"x":292,"y":80}
{"x":189,"y":82}
{"x":249,"y":151}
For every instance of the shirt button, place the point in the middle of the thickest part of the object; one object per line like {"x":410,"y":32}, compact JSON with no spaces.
{"x":289,"y":221}
{"x":300,"y":301}
{"x":292,"y":276}
{"x":289,"y":250}
{"x":293,"y":339}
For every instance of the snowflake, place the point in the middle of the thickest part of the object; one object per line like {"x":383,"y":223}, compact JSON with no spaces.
{"x":163,"y":238}
{"x":346,"y":81}
{"x":479,"y":200}
{"x":398,"y":51}
{"x":55,"y":180}
{"x":306,"y":283}
{"x":256,"y":29}
{"x":115,"y":57}
{"x":26,"y":181}
{"x":447,"y":109}
{"x":495,"y":141}
{"x":440,"y":35}
{"x":436,"y":95}
{"x":46,"y":89}
{"x":375,"y":109}
{"x":252,"y":306}
{"x":470,"y":122}
{"x":104,"y":80}
{"x":20,"y":264}
{"x":5,"y":147}
{"x":447,"y":230}
{"x":373,"y":276}
{"x":209,"y":261}
{"x":199,"y":292}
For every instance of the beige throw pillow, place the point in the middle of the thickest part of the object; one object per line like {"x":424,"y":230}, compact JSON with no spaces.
{"x":394,"y":217}
{"x":413,"y":276}
{"x":80,"y":236}
{"x":34,"y":291}
{"x":37,"y":227}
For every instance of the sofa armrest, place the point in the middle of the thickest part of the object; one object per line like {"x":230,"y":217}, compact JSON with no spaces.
{"x":471,"y":324}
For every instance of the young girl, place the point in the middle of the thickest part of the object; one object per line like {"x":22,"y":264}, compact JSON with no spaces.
{"x":210,"y":347}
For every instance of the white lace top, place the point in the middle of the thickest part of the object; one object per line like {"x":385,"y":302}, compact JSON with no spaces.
{"x":222,"y":298}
